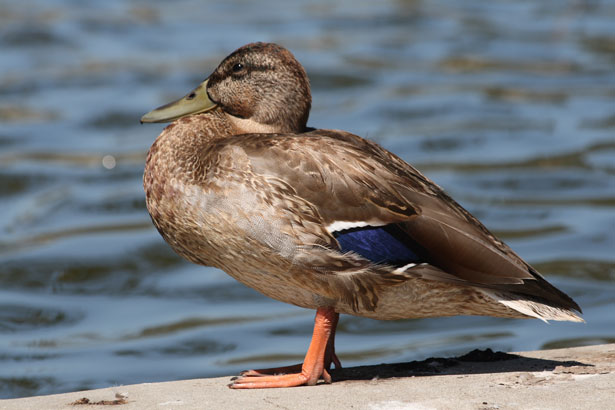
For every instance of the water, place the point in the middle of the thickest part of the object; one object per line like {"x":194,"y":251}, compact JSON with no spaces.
{"x":510,"y":106}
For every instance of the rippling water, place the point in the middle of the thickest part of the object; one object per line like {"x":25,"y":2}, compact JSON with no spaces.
{"x":510,"y":106}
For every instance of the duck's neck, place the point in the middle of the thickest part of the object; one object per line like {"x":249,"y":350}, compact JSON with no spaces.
{"x":181,"y":144}
{"x":248,"y":126}
{"x":203,"y":129}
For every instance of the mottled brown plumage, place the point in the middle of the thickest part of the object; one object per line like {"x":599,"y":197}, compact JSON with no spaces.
{"x":244,"y":186}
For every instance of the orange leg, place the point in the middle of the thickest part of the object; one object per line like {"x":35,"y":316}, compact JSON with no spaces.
{"x":319,"y":357}
{"x":330,"y":357}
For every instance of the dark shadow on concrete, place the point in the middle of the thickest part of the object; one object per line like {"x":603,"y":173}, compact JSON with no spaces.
{"x":475,"y":362}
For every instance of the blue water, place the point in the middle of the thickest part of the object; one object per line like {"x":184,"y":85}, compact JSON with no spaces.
{"x":510,"y":106}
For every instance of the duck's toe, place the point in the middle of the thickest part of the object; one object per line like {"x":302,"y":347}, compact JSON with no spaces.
{"x":272,"y":371}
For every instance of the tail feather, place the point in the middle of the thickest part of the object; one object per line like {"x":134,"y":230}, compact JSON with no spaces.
{"x":534,"y":308}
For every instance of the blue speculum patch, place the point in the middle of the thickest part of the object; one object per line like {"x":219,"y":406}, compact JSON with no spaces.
{"x":380,"y":244}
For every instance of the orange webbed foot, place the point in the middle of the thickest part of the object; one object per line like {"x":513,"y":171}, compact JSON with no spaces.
{"x":314,"y":368}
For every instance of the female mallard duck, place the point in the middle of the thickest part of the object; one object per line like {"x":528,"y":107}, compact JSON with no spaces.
{"x":322,"y":219}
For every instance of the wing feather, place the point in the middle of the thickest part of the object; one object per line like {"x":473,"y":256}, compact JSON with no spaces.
{"x":348,"y":179}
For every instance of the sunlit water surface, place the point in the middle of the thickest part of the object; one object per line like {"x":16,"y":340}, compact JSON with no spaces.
{"x":510,"y":106}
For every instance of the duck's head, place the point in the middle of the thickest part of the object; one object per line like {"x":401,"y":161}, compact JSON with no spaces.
{"x":260,"y":85}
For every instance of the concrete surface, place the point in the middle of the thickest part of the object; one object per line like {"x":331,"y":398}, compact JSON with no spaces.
{"x":573,"y":378}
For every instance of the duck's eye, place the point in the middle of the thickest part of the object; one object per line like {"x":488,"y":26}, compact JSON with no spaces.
{"x":237,"y":67}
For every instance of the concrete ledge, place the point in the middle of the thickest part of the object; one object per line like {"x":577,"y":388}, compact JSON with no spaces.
{"x":573,"y":378}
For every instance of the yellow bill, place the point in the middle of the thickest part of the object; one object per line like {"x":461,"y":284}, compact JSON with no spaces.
{"x":195,"y":102}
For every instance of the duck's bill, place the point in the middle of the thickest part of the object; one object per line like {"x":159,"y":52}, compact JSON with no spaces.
{"x":195,"y":102}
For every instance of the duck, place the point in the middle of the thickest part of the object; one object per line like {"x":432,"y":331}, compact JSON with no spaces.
{"x":321,"y":219}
